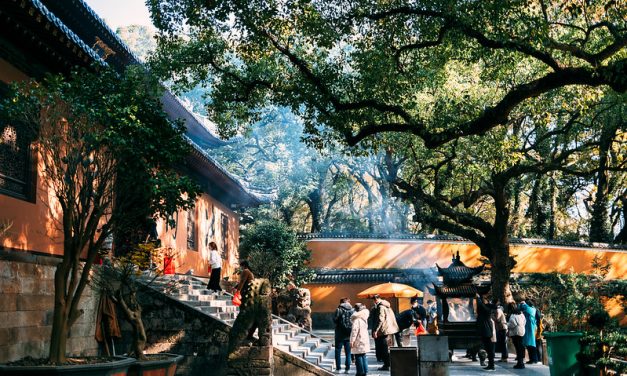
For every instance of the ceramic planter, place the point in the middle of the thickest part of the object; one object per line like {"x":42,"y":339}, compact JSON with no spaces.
{"x":161,"y":367}
{"x":118,"y":367}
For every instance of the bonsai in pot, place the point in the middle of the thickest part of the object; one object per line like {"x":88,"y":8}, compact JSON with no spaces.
{"x":604,"y":346}
{"x":98,"y":132}
{"x":119,"y":279}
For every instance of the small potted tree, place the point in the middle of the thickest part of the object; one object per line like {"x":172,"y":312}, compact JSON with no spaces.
{"x":106,"y":148}
{"x":119,"y":279}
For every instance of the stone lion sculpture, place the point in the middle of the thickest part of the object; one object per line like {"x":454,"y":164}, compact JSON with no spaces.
{"x":255,"y":314}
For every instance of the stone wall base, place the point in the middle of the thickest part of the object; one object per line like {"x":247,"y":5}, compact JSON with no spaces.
{"x":26,"y":306}
{"x":251,"y":361}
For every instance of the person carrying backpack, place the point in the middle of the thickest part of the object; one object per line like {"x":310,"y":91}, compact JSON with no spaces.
{"x":343,"y":326}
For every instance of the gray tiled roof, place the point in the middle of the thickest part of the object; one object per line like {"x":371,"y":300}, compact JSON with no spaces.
{"x":467,"y":290}
{"x":414,"y":277}
{"x":37,"y":4}
{"x":457,"y":239}
{"x":458,"y":274}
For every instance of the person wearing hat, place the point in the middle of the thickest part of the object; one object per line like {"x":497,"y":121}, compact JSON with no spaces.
{"x":384,"y":325}
{"x":413,"y":316}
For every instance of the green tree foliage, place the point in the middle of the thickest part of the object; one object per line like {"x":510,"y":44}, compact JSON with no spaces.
{"x":139,"y":39}
{"x":108,"y":153}
{"x":474,"y":96}
{"x":363,"y":68}
{"x":327,"y":190}
{"x":274,"y":252}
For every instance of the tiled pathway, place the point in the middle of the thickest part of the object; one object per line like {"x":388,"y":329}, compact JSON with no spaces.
{"x":460,"y":366}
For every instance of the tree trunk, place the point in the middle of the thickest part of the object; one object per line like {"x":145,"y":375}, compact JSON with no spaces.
{"x":60,"y":318}
{"x":599,"y":223}
{"x":139,"y":334}
{"x":501,"y":270}
{"x":621,"y":238}
{"x":498,"y":242}
{"x":287,"y":214}
{"x":552,"y":207}
{"x":537,"y":211}
{"x":314,"y":201}
{"x":514,"y":226}
{"x":133,"y":313}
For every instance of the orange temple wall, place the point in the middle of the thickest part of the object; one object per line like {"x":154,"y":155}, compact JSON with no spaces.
{"x":375,"y":254}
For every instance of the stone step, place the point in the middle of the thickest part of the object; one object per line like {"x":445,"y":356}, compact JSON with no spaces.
{"x":226,"y":315}
{"x":286,"y":337}
{"x":204,"y":298}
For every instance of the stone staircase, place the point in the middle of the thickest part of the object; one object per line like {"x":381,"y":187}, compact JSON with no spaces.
{"x":286,"y":336}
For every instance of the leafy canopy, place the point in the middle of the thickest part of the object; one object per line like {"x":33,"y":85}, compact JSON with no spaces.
{"x":274,"y":252}
{"x":362,"y":68}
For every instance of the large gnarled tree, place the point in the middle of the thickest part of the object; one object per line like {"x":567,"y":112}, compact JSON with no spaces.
{"x":364,"y":71}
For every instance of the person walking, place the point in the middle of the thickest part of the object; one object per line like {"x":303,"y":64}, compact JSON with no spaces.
{"x":529,"y":339}
{"x":500,"y":323}
{"x":343,"y":328}
{"x":384,"y":326}
{"x":485,"y":329}
{"x":215,"y":260}
{"x":413,"y":316}
{"x":516,"y":330}
{"x":359,"y":339}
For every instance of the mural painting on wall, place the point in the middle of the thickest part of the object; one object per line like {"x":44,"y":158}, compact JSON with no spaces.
{"x":172,"y":224}
{"x":225,"y":236}
{"x":210,"y":232}
{"x":191,"y":229}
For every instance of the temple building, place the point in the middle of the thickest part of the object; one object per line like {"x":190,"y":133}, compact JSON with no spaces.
{"x":49,"y":36}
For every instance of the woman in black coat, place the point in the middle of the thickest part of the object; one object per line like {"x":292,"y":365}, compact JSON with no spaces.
{"x":485,"y":328}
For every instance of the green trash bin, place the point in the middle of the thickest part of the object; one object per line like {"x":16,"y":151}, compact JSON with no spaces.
{"x":562,"y":348}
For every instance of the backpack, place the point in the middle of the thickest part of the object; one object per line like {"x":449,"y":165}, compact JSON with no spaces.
{"x":344,"y":322}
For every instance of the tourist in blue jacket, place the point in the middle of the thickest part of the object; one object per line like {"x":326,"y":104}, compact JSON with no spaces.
{"x":529,"y":339}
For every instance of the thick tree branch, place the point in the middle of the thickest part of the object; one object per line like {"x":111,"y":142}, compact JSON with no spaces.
{"x":444,"y":209}
{"x":499,"y":113}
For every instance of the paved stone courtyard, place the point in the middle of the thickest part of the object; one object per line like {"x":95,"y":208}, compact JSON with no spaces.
{"x":460,"y":366}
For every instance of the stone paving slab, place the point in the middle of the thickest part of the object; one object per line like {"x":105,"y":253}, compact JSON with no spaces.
{"x":459,"y":367}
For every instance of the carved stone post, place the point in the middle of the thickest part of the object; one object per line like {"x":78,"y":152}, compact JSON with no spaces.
{"x":247,"y":355}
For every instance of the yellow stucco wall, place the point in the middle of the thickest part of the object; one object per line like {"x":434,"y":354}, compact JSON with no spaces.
{"x":381,"y":254}
{"x":358,"y":254}
{"x":208,"y":228}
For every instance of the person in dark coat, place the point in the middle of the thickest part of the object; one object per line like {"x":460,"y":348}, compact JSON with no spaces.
{"x":407,"y":318}
{"x":343,"y":333}
{"x":485,"y":329}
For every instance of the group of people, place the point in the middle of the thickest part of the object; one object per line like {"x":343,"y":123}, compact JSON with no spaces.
{"x":522,"y":325}
{"x":351,"y":330}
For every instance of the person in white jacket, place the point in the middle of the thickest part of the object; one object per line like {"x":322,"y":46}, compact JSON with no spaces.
{"x":359,"y":339}
{"x":516,"y":331}
{"x":215,"y":260}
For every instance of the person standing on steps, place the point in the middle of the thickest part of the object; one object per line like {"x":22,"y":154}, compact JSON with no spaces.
{"x":486,"y":330}
{"x":215,"y":260}
{"x":384,"y":327}
{"x":359,"y":338}
{"x":343,"y":327}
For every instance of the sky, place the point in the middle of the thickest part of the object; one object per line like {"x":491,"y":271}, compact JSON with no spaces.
{"x":118,"y":13}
